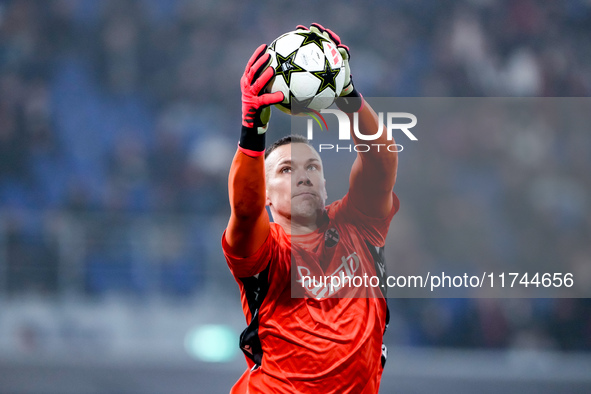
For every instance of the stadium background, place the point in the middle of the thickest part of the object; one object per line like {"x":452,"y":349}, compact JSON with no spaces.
{"x":118,"y":121}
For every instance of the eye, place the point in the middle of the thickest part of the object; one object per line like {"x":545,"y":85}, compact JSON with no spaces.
{"x":285,"y":170}
{"x":313,"y":167}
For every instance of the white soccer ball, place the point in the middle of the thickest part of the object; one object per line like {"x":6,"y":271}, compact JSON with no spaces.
{"x":309,"y":70}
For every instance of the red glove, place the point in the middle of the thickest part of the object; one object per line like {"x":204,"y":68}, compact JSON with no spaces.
{"x":255,"y":104}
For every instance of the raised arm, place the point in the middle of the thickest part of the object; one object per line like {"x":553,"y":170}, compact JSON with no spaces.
{"x":374,"y":172}
{"x":248,"y":227}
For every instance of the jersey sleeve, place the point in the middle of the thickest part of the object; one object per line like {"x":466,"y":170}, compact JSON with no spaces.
{"x":372,"y":229}
{"x":272,"y":249}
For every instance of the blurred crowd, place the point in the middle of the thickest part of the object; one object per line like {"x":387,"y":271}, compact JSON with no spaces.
{"x":503,"y":186}
{"x":122,"y":108}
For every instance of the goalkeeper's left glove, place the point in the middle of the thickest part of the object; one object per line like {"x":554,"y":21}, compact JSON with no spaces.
{"x":350,"y":99}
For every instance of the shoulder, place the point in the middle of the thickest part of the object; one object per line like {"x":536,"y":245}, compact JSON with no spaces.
{"x":278,"y":234}
{"x":276,"y":247}
{"x":342,"y":213}
{"x":344,"y":207}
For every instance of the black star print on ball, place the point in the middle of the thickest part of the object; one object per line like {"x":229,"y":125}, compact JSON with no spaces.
{"x":287,"y":66}
{"x":327,"y":76}
{"x":311,"y":37}
{"x":298,"y":106}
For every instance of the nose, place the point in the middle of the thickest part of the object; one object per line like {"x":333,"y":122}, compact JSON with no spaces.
{"x":305,"y":182}
{"x":302,"y":179}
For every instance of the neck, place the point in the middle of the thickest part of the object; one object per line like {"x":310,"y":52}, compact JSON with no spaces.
{"x":299,"y":225}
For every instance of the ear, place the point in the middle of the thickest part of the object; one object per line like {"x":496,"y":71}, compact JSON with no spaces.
{"x":325,"y":196}
{"x":267,"y":199}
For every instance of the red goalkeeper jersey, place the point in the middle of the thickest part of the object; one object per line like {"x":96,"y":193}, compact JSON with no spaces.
{"x":307,"y":336}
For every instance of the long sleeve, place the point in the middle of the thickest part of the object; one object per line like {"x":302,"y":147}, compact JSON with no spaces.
{"x":248,"y":227}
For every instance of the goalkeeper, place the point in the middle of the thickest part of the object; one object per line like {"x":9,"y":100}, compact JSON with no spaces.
{"x":329,"y":340}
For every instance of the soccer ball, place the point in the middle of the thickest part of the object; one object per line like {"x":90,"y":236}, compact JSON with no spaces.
{"x":309,"y":70}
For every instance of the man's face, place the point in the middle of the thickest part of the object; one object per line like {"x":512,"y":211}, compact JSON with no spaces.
{"x":295,"y":181}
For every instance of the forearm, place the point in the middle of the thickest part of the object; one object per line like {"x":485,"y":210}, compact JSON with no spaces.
{"x":249,"y":223}
{"x":379,"y":161}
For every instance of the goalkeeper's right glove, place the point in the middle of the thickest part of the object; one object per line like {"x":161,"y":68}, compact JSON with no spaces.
{"x":255,"y":104}
{"x":350,"y":99}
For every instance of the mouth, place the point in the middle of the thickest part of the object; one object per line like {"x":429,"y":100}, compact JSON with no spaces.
{"x":304,"y":194}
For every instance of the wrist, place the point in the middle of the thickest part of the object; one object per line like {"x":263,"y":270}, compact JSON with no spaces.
{"x":251,"y":142}
{"x":351,"y":102}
